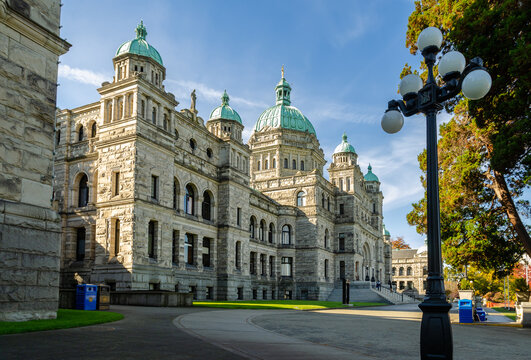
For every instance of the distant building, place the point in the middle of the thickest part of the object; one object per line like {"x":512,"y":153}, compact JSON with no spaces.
{"x":410,"y":269}
{"x":155,"y":198}
{"x":30,"y":239}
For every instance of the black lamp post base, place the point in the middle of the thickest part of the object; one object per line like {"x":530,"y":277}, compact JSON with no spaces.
{"x":435,"y":331}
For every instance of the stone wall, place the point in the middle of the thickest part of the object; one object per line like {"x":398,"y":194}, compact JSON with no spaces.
{"x":29,"y":227}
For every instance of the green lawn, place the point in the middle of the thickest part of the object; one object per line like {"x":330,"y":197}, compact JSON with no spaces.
{"x":511,"y":314}
{"x":65,"y":319}
{"x":280,"y":304}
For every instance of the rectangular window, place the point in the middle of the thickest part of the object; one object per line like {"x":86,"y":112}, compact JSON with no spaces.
{"x":175,"y":247}
{"x":206,"y":252}
{"x":264,"y":294}
{"x":286,"y":269}
{"x":240,"y":293}
{"x":410,"y":285}
{"x":341,"y":184}
{"x":239,"y":216}
{"x":210,"y":293}
{"x":152,"y":239}
{"x":341,"y":209}
{"x":401,"y":284}
{"x":154,"y":187}
{"x":189,"y":248}
{"x":116,"y":183}
{"x":348,"y":184}
{"x":341,"y":242}
{"x":263,"y":264}
{"x":255,"y":294}
{"x":193,"y":290}
{"x":271,"y":266}
{"x":80,"y":244}
{"x":252,"y":263}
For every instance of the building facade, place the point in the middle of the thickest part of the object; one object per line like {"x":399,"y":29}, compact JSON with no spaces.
{"x":156,"y":198}
{"x":410,"y":270}
{"x":30,"y":240}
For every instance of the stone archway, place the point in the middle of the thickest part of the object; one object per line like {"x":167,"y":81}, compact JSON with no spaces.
{"x":366,"y":267}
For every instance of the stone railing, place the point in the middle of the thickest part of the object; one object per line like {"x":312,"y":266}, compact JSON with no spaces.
{"x":393,"y":296}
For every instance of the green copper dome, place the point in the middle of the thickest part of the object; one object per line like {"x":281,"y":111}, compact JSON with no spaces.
{"x":370,"y":176}
{"x":344,"y":147}
{"x":140,"y":46}
{"x":224,"y":111}
{"x":283,"y":115}
{"x":385,"y":231}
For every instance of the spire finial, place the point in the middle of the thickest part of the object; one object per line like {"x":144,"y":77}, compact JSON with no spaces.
{"x":370,"y":167}
{"x":141,"y":31}
{"x":225,"y":98}
{"x":344,"y":137}
{"x":282,"y":71}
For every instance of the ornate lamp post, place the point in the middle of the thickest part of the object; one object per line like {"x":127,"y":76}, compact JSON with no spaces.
{"x":474,"y":82}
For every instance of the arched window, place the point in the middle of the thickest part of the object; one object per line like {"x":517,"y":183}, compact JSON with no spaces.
{"x":294,"y":164}
{"x":154,"y":115}
{"x":165,"y":122}
{"x":286,"y":166}
{"x":326,"y":238}
{"x":238,"y":255}
{"x":175,"y":194}
{"x":80,"y":133}
{"x":143,"y":109}
{"x":206,"y":206}
{"x":266,"y":164}
{"x":326,"y":268}
{"x":258,"y":167}
{"x":252,"y":227}
{"x":189,"y":200}
{"x":274,"y":163}
{"x":109,"y":111}
{"x":301,"y":198}
{"x":322,"y":200}
{"x":80,"y":244}
{"x":408,"y":271}
{"x":348,"y":184}
{"x":93,"y":130}
{"x":286,"y":235}
{"x":302,"y":164}
{"x":394,"y":271}
{"x":83,"y":192}
{"x":116,"y":236}
{"x":271,"y":233}
{"x":328,"y":203}
{"x":262,"y":233}
{"x":401,"y":271}
{"x":58,"y":137}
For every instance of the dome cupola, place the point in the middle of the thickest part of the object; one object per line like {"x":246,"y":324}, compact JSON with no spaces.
{"x":370,"y":176}
{"x":283,"y":115}
{"x":344,"y":147}
{"x":139,"y":46}
{"x":224,"y":111}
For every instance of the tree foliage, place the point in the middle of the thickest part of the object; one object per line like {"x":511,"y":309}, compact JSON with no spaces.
{"x":399,"y":243}
{"x":485,"y":150}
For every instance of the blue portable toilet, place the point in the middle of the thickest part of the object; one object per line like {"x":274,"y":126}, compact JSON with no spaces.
{"x":465,"y":311}
{"x":86,"y":297}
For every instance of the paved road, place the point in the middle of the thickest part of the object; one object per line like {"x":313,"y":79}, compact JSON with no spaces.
{"x":144,"y":333}
{"x":390,"y":332}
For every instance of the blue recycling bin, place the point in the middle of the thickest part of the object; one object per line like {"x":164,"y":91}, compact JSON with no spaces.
{"x":465,"y":311}
{"x":86,"y":297}
{"x":482,"y":315}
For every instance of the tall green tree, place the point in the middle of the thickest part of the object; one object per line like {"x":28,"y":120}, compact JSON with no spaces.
{"x":485,"y":150}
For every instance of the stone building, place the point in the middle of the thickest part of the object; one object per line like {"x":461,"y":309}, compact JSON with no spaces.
{"x":155,"y":198}
{"x":29,"y":228}
{"x":410,"y":269}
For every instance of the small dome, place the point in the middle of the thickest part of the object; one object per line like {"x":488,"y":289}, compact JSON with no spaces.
{"x":283,"y":115}
{"x":344,"y":147}
{"x":140,"y":46}
{"x":224,"y":111}
{"x":385,"y":232}
{"x":422,"y":249}
{"x":370,"y":176}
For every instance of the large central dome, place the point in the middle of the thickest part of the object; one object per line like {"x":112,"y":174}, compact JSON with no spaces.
{"x":283,"y":115}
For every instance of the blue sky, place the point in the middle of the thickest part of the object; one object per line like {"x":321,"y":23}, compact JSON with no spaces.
{"x":342,"y":59}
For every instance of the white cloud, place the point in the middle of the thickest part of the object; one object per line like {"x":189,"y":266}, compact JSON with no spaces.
{"x":344,"y":113}
{"x":81,"y":75}
{"x":184,"y":87}
{"x":357,"y":26}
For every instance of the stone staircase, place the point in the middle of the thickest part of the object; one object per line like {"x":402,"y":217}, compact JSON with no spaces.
{"x":360,"y":291}
{"x":394,"y":297}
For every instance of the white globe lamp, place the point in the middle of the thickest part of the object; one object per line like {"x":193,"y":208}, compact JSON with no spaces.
{"x":476,"y":84}
{"x":431,"y":36}
{"x":392,"y":121}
